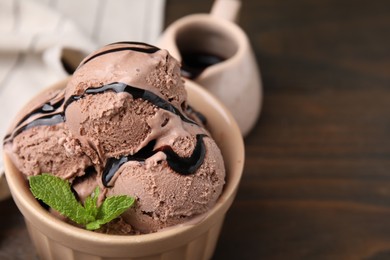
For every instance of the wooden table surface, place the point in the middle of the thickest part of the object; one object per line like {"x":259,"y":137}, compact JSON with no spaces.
{"x":316,"y":183}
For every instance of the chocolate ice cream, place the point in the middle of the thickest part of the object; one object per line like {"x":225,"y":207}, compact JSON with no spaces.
{"x":123,"y":124}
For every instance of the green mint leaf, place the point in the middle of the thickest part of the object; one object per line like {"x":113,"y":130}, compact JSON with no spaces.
{"x":57,"y":193}
{"x":111,"y":208}
{"x":90,"y":203}
{"x":94,"y":225}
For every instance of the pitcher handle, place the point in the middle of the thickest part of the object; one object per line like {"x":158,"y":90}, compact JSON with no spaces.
{"x":226,"y":9}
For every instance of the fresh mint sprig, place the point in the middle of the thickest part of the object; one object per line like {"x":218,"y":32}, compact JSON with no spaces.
{"x":57,"y":194}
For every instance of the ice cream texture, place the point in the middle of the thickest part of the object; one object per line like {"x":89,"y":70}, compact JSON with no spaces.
{"x":123,"y":123}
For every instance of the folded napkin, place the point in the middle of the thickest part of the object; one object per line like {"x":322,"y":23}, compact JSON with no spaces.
{"x":42,"y":40}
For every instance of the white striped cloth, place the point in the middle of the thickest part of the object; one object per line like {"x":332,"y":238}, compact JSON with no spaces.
{"x":36,"y":34}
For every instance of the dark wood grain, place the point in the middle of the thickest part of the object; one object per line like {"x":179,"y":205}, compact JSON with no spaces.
{"x":317,"y":176}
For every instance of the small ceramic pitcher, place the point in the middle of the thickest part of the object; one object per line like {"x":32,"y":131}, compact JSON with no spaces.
{"x":216,"y":54}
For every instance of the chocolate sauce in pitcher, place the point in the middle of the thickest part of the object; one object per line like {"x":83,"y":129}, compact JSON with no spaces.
{"x":194,"y":63}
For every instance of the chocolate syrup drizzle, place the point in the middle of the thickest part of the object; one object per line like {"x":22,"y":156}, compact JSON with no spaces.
{"x":181,"y":165}
{"x":53,"y":112}
{"x":54,"y":117}
{"x":46,"y":108}
{"x":135,"y":93}
{"x":147,"y":48}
